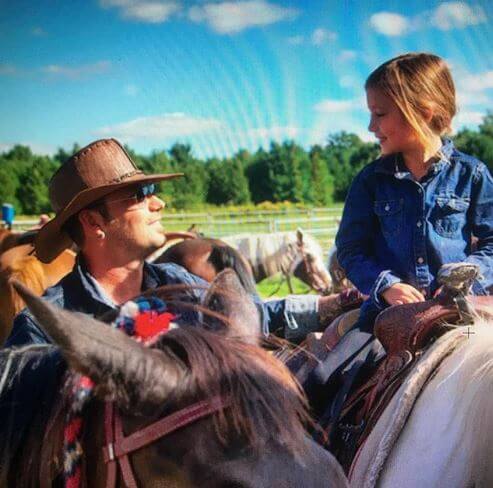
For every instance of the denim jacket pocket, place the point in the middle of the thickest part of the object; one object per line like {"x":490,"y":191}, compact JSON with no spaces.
{"x":449,"y":215}
{"x":390,"y":214}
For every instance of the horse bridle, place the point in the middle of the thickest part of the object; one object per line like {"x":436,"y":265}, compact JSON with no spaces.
{"x":308,"y":264}
{"x":118,"y":447}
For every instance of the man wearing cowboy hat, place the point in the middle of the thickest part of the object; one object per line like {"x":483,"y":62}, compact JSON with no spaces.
{"x":108,"y":207}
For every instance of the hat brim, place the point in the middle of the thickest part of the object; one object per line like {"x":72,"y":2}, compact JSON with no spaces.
{"x":51,"y":240}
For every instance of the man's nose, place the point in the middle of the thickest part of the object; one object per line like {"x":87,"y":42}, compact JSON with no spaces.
{"x":155,"y":203}
{"x":372,"y":125}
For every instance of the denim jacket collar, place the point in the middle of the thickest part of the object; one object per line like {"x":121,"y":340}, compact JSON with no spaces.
{"x":393,"y":164}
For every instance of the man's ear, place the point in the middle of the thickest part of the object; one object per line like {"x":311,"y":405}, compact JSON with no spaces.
{"x":91,"y":221}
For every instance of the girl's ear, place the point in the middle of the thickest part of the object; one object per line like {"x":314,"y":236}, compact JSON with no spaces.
{"x":428,"y":113}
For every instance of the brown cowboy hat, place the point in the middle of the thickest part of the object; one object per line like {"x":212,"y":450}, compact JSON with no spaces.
{"x":95,"y":171}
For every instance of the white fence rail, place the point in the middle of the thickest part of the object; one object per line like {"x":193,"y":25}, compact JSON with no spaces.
{"x":321,"y":222}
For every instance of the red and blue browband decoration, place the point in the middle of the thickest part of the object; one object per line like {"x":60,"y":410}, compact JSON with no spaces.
{"x":144,"y":319}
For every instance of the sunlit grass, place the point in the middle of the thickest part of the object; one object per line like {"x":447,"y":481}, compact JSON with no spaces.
{"x":269,"y":288}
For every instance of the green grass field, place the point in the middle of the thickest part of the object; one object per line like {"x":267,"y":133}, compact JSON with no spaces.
{"x":269,"y":288}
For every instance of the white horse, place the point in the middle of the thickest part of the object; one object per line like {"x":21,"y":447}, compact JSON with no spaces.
{"x":291,"y":253}
{"x":446,"y":438}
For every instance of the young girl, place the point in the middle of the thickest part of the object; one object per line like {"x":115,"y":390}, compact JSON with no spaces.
{"x":409,"y":212}
{"x":416,"y":207}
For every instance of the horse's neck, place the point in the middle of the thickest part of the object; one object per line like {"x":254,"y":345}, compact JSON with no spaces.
{"x":276,"y":253}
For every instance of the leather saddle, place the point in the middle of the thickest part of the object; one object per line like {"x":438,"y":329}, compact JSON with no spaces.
{"x":405,"y":331}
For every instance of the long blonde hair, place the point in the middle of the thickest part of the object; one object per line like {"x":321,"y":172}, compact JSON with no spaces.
{"x":418,"y":82}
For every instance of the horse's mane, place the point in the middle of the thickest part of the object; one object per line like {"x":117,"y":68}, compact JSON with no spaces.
{"x":265,"y":401}
{"x":222,"y":257}
{"x":21,"y":454}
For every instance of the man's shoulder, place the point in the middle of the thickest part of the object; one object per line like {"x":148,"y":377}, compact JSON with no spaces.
{"x":172,"y":274}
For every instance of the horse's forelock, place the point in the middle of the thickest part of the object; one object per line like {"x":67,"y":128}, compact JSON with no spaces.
{"x":264,"y":400}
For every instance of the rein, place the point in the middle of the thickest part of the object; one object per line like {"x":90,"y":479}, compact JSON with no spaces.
{"x":118,"y":447}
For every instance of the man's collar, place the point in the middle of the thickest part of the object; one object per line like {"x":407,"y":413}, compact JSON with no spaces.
{"x":90,"y":284}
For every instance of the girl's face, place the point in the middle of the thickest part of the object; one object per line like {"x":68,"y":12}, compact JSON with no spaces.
{"x":389,"y":124}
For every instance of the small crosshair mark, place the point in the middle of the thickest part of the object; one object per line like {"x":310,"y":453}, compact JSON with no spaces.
{"x":468,"y":332}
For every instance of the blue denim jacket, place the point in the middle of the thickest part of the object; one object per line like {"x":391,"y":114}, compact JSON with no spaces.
{"x":396,"y":229}
{"x":79,"y":291}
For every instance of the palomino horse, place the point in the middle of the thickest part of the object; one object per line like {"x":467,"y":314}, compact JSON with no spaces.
{"x":19,"y":263}
{"x":290,"y":253}
{"x":223,"y":411}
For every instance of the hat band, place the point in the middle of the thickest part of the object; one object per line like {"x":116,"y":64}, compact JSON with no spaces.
{"x":126,"y":176}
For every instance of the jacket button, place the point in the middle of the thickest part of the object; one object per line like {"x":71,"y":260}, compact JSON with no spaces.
{"x":387,"y":208}
{"x":419,"y":224}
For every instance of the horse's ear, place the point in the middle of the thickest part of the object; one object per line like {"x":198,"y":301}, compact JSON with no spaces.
{"x":122,"y":369}
{"x":227,"y":296}
{"x":299,"y":236}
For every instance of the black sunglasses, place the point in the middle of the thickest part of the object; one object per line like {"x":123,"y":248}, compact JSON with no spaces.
{"x":141,"y":193}
{"x":144,"y":191}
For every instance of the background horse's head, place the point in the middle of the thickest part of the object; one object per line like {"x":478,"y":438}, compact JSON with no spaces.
{"x":258,"y":440}
{"x":308,"y":264}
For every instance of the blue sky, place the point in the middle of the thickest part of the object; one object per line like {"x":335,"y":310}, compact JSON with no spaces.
{"x":221,"y":75}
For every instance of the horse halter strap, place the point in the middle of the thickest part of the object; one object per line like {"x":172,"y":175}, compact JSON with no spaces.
{"x":118,"y":447}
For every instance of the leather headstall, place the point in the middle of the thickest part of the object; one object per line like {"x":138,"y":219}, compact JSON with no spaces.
{"x":118,"y":447}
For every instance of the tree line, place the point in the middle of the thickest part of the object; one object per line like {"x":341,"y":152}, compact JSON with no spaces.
{"x":285,"y":172}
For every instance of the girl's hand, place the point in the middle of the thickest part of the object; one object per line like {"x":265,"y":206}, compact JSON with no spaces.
{"x":401,"y":293}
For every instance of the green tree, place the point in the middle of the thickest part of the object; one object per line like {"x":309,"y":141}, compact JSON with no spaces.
{"x":322,"y":183}
{"x":190,"y":190}
{"x":227,"y":183}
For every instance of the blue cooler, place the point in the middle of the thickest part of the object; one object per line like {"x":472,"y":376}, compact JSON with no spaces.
{"x":8,"y":213}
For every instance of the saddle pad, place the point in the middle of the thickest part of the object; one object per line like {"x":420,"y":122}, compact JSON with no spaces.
{"x":371,"y":456}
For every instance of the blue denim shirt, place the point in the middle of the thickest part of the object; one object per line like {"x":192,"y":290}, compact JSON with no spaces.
{"x":79,"y":291}
{"x":396,"y":229}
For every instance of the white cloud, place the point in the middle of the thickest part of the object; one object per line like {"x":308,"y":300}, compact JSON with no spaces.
{"x":337,"y":106}
{"x":390,"y":24}
{"x":8,"y":70}
{"x":160,"y":127}
{"x":38,"y":32}
{"x":347,"y":55}
{"x":350,"y":81}
{"x":467,"y":119}
{"x":478,"y":82}
{"x":77,"y":72}
{"x":234,"y":17}
{"x":466,"y":98}
{"x":321,"y":36}
{"x":447,"y":16}
{"x":276,"y":132}
{"x":149,"y":11}
{"x":296,"y":40}
{"x":457,"y":15}
{"x":130,"y":90}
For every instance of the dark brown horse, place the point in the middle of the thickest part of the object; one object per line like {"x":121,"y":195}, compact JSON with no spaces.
{"x":254,"y":436}
{"x":207,"y":257}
